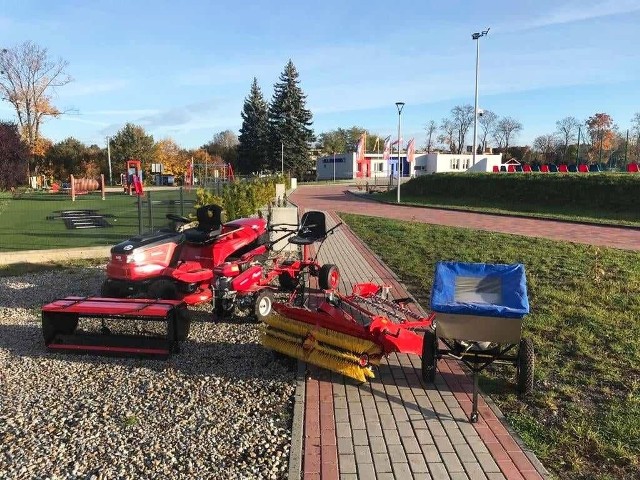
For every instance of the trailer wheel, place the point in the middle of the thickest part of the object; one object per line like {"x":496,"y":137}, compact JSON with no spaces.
{"x":429,"y":351}
{"x":329,"y":277}
{"x":223,"y":307}
{"x":183,"y":324}
{"x":262,"y":305}
{"x":163,"y":290}
{"x":58,"y":323}
{"x":111,"y":289}
{"x":525,"y":366}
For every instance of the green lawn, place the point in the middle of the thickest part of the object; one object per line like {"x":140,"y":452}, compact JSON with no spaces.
{"x":24,"y":224}
{"x":583,"y":420}
{"x":559,"y":212}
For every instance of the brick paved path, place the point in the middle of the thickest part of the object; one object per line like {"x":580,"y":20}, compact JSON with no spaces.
{"x":395,"y":426}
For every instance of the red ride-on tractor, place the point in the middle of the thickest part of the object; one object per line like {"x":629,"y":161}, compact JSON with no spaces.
{"x":178,"y":264}
{"x":248,"y":282}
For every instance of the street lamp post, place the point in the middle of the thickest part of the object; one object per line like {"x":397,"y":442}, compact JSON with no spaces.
{"x":282,"y":158}
{"x":109,"y":159}
{"x":476,"y":36}
{"x":399,"y":106}
{"x":334,"y":167}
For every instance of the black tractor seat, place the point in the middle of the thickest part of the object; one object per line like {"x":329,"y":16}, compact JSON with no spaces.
{"x":209,"y":225}
{"x":313,"y":228}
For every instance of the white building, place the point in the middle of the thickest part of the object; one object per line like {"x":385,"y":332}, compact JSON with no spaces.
{"x":374,"y":166}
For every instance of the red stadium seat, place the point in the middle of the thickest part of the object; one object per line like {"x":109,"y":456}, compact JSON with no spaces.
{"x":633,"y":168}
{"x":544,"y":168}
{"x":582,"y":168}
{"x":526,"y":168}
{"x":563,"y":168}
{"x":496,"y":169}
{"x":511,"y":168}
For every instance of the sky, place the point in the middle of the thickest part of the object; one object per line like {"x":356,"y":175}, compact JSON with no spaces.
{"x":183,"y":69}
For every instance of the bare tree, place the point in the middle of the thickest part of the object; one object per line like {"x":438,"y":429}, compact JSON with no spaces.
{"x":28,"y":79}
{"x":567,"y":128}
{"x":635,"y":129}
{"x":546,"y":145}
{"x":506,"y":130}
{"x":430,"y":128}
{"x":462,"y":119}
{"x":487,"y":123}
{"x":448,"y":134}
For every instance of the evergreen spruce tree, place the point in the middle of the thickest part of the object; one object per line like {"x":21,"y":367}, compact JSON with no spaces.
{"x":253,"y":146}
{"x":289,"y":125}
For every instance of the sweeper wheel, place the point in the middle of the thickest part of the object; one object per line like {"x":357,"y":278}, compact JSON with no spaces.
{"x":183,"y":324}
{"x":525,"y":366}
{"x":163,"y":289}
{"x":328,"y":277}
{"x":58,"y":323}
{"x":429,"y":350}
{"x":262,"y":305}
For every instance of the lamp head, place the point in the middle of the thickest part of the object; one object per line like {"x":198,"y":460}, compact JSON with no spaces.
{"x":399,"y":106}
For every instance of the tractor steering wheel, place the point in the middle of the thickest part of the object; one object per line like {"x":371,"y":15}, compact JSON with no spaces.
{"x":178,"y":218}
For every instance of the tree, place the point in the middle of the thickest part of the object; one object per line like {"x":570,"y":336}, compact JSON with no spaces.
{"x":447,"y":136}
{"x":601,"y":131}
{"x":290,"y":124}
{"x":431,"y":129}
{"x":506,"y":130}
{"x":253,"y":141}
{"x":132,"y":142}
{"x":28,"y":79}
{"x":546,"y":145}
{"x":567,"y":129}
{"x":487,"y":122}
{"x":65,"y":158}
{"x":635,"y":132}
{"x":343,"y":140}
{"x":171,"y":156}
{"x":13,"y":156}
{"x":462,"y":119}
{"x":224,"y":145}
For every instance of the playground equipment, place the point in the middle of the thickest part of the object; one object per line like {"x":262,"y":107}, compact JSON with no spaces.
{"x":132,"y":181}
{"x":179,"y":264}
{"x":208,"y":174}
{"x":81,"y":186}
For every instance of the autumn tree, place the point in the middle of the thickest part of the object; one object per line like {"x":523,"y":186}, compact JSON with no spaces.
{"x":487,"y":122}
{"x":506,"y":130}
{"x":132,"y":141}
{"x":601,"y":131}
{"x":567,"y":128}
{"x":431,"y":128}
{"x":171,"y":156}
{"x":13,"y":156}
{"x":290,"y":124}
{"x":253,"y":140}
{"x":28,"y":80}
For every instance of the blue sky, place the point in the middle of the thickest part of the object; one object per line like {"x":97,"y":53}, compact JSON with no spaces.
{"x":183,"y":69}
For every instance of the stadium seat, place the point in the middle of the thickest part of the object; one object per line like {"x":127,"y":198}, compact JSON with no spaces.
{"x":526,"y":168}
{"x":544,"y":168}
{"x":633,"y":168}
{"x":573,"y":168}
{"x":594,"y":168}
{"x":563,"y":168}
{"x":519,"y":168}
{"x":496,"y":168}
{"x":511,"y":168}
{"x":582,"y":168}
{"x":553,"y":168}
{"x":503,"y":168}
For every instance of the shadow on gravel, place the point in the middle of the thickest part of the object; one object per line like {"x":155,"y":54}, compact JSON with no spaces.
{"x":217,"y":358}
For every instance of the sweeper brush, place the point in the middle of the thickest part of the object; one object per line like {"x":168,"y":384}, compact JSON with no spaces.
{"x":336,"y":351}
{"x":346,"y":334}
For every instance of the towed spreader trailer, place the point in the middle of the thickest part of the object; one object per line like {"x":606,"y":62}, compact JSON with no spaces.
{"x":61,"y":318}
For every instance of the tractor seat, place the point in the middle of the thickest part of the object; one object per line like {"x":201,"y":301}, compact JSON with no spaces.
{"x":209,"y":225}
{"x":312,"y":229}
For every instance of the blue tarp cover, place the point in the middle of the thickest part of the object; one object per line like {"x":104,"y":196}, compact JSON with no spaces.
{"x":489,"y":290}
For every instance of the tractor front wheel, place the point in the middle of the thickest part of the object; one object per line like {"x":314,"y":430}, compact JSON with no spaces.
{"x":429,"y":352}
{"x":111,"y":289}
{"x":163,"y":290}
{"x":525,"y":366}
{"x":223,"y":307}
{"x":328,"y":277}
{"x":262,"y":305}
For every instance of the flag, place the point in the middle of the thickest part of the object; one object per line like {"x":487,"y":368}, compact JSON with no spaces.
{"x":386,"y":153}
{"x":411,"y":151}
{"x":360,"y":149}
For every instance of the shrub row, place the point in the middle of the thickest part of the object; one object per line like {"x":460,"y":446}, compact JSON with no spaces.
{"x":609,"y":192}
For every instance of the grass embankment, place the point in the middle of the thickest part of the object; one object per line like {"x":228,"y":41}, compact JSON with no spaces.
{"x":583,"y":420}
{"x":595,"y":198}
{"x":24,"y":224}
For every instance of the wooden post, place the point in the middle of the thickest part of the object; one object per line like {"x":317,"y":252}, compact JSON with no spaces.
{"x":73,"y":189}
{"x":102,"y":184}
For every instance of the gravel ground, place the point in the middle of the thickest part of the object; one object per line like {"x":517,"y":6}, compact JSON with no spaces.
{"x":221,"y":408}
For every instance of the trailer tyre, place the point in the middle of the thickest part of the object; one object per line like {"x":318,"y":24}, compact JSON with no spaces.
{"x":329,"y":277}
{"x":429,"y":352}
{"x":525,"y":366}
{"x":263,"y":305}
{"x":163,"y":290}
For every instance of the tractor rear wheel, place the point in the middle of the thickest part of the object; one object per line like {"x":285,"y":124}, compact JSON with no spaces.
{"x":329,"y":277}
{"x":525,"y":366}
{"x":262,"y":305}
{"x":111,"y":289}
{"x":163,"y":290}
{"x":429,"y":352}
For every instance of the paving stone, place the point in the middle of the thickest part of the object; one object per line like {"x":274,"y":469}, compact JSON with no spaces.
{"x":363,"y":454}
{"x":374,"y":429}
{"x":378,"y":445}
{"x":443,"y":444}
{"x":487,"y":463}
{"x":357,"y":422}
{"x":342,"y":415}
{"x":360,"y":437}
{"x":382,"y":463}
{"x":397,"y":454}
{"x":345,"y":445}
{"x":474,"y":471}
{"x":465,"y":454}
{"x":405,"y":429}
{"x":417,"y":462}
{"x":392,"y":437}
{"x":348,"y":476}
{"x":366,"y":470}
{"x":411,"y":445}
{"x":387,"y":421}
{"x":438,"y":471}
{"x":495,"y":476}
{"x":347,"y":463}
{"x":401,"y":471}
{"x":452,"y":462}
{"x":343,"y":430}
{"x":424,"y":437}
{"x":458,"y":476}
